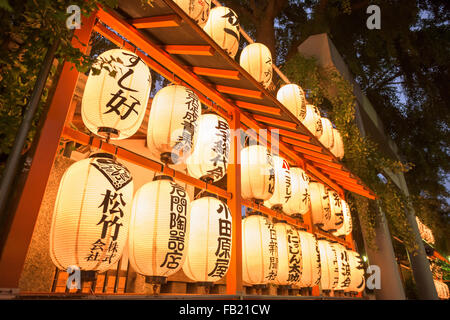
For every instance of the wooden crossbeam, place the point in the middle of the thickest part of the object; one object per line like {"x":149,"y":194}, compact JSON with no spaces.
{"x":293,"y":135}
{"x":239,"y":92}
{"x":217,"y":73}
{"x":257,"y":107}
{"x":313,"y":153}
{"x":334,"y":171}
{"x":328,"y":163}
{"x":276,"y":122}
{"x":301,"y":144}
{"x":188,"y":50}
{"x":319,"y":175}
{"x":171,"y":20}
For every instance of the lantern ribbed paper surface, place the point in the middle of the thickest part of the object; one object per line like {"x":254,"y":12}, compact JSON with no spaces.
{"x":329,"y":278}
{"x":343,"y":262}
{"x":441,"y":289}
{"x":198,"y":10}
{"x":223,"y":27}
{"x":173,"y":121}
{"x":337,"y":218}
{"x":257,"y":173}
{"x":346,"y":227}
{"x":209,"y":160}
{"x":259,"y":250}
{"x":209,"y":249}
{"x":338,"y":145}
{"x":310,"y":260}
{"x":283,"y":187}
{"x":327,"y":138}
{"x":159,"y":228}
{"x":293,"y":98}
{"x":116,"y":104}
{"x":289,"y":255}
{"x":256,"y":59}
{"x":320,"y":204}
{"x":91,"y":214}
{"x":313,"y":121}
{"x":357,"y":282}
{"x":299,"y":203}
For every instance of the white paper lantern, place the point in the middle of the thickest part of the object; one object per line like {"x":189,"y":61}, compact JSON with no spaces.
{"x":293,"y":98}
{"x":337,"y":216}
{"x":338,"y":145}
{"x":91,"y":214}
{"x":357,"y":282}
{"x":310,"y":276}
{"x":300,"y":201}
{"x":173,"y":122}
{"x":209,"y":160}
{"x":256,"y":59}
{"x":223,"y":27}
{"x":327,"y":138}
{"x":320,"y":204}
{"x":283,"y":186}
{"x":259,"y":250}
{"x":159,"y":228}
{"x":346,"y":227}
{"x":329,"y":278}
{"x":198,"y":10}
{"x":257,"y":173}
{"x":442,"y":290}
{"x":289,"y":255}
{"x":209,"y":248}
{"x":115,"y":105}
{"x":313,"y":121}
{"x":343,"y":262}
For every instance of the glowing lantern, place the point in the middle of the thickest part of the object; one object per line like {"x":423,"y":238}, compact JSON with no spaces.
{"x":346,"y":227}
{"x":338,"y":145}
{"x":289,"y":255}
{"x":337,"y":218}
{"x":329,"y":277}
{"x":299,"y":202}
{"x":356,"y":271}
{"x":310,"y":260}
{"x":257,"y":173}
{"x":442,"y":290}
{"x":209,"y":160}
{"x":256,"y":59}
{"x":293,"y":98}
{"x":343,"y":263}
{"x":320,"y":204}
{"x":173,"y":121}
{"x":283,"y":188}
{"x":198,"y":10}
{"x":91,"y":214}
{"x":223,"y":27}
{"x":312,"y":120}
{"x":259,"y":250}
{"x":159,"y":228}
{"x":327,"y":138}
{"x":209,"y":246}
{"x":114,"y":106}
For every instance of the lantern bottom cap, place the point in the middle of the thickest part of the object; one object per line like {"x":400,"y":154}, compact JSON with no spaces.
{"x":107,"y":132}
{"x":155,"y":279}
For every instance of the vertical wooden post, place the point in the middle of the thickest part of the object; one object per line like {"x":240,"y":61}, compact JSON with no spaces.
{"x":16,"y":246}
{"x":234,"y":274}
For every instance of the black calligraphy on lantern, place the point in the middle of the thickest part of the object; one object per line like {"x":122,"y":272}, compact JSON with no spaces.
{"x":287,"y":180}
{"x":223,"y":252}
{"x":186,"y":139}
{"x":268,"y":72}
{"x":271,"y":185}
{"x":345,"y":270}
{"x":294,"y":257}
{"x":221,"y":149}
{"x":177,"y":227}
{"x":335,"y":267}
{"x":273,"y":250}
{"x":326,"y":207}
{"x":233,"y":20}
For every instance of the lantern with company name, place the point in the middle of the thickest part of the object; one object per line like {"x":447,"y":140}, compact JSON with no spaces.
{"x":259,"y":250}
{"x":310,"y":276}
{"x":337,"y":216}
{"x":327,"y":138}
{"x":159,"y":229}
{"x":172,"y":124}
{"x":198,"y":10}
{"x":346,"y":227}
{"x":329,"y":277}
{"x":357,"y":282}
{"x":312,"y":120}
{"x":209,"y":248}
{"x":293,"y":98}
{"x":343,"y":263}
{"x":283,"y":188}
{"x":338,"y":145}
{"x":91,"y":214}
{"x":257,"y":173}
{"x":289,"y":255}
{"x":114,"y":100}
{"x":223,"y":27}
{"x":209,"y":160}
{"x":320,"y":204}
{"x":299,"y":203}
{"x":256,"y":59}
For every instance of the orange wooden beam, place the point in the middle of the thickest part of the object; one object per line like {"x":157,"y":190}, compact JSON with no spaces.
{"x":293,"y":135}
{"x":171,"y":20}
{"x":328,"y":163}
{"x":239,"y":92}
{"x":333,"y":171}
{"x":301,"y":144}
{"x":113,"y":37}
{"x":257,"y":107}
{"x":313,"y":153}
{"x":218,"y":73}
{"x":276,"y":122}
{"x":189,"y":50}
{"x":314,"y":171}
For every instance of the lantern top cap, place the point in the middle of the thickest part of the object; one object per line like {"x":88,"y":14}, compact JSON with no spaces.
{"x":162,"y":177}
{"x":102,"y":155}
